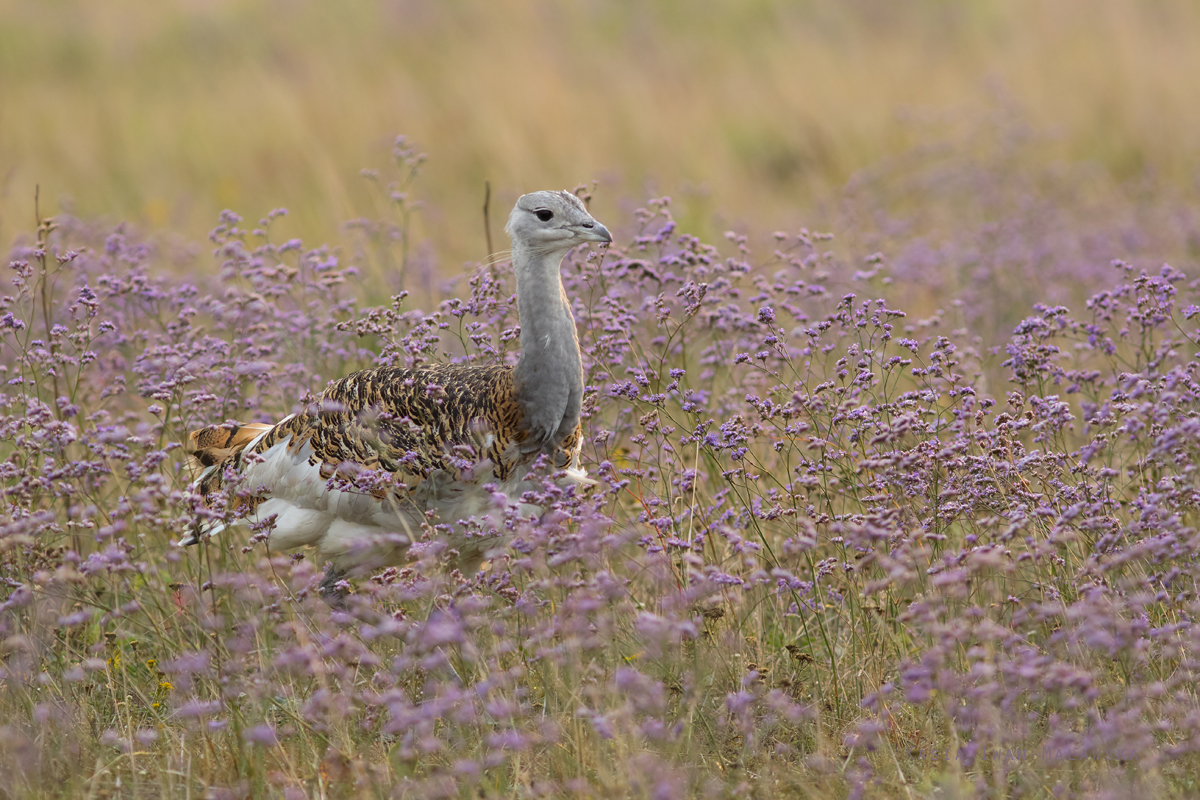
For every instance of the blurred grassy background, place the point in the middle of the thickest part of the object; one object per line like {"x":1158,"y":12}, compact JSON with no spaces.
{"x":166,"y":113}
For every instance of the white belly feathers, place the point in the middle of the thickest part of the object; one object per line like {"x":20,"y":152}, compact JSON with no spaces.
{"x":350,"y":528}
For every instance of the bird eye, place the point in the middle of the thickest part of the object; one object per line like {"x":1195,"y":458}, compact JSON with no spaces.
{"x":544,"y":214}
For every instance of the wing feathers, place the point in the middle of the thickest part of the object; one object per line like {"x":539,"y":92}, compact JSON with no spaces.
{"x":438,"y":429}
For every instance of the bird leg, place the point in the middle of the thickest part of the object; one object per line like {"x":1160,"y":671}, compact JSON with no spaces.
{"x":331,"y":593}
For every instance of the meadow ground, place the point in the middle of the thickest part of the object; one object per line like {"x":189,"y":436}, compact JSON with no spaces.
{"x":904,"y":509}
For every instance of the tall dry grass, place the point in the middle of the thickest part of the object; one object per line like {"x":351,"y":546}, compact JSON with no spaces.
{"x":749,"y":112}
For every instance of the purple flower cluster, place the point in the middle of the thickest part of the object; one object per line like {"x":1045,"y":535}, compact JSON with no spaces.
{"x":830,"y":544}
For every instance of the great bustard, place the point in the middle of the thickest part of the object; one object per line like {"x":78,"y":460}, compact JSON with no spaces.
{"x":416,"y":423}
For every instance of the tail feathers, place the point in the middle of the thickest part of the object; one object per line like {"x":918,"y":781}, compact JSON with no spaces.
{"x":211,"y":528}
{"x":579,"y":475}
{"x":210,"y":446}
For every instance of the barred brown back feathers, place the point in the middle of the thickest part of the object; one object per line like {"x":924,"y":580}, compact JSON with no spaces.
{"x":405,"y":421}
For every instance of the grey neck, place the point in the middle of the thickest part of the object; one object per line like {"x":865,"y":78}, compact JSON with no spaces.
{"x":549,"y":375}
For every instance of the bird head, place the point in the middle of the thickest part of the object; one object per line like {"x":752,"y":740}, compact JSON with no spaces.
{"x":550,"y":222}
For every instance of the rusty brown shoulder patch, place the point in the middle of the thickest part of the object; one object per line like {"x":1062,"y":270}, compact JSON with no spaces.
{"x":216,"y":443}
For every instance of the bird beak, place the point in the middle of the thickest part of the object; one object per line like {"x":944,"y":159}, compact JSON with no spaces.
{"x":596,"y":233}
